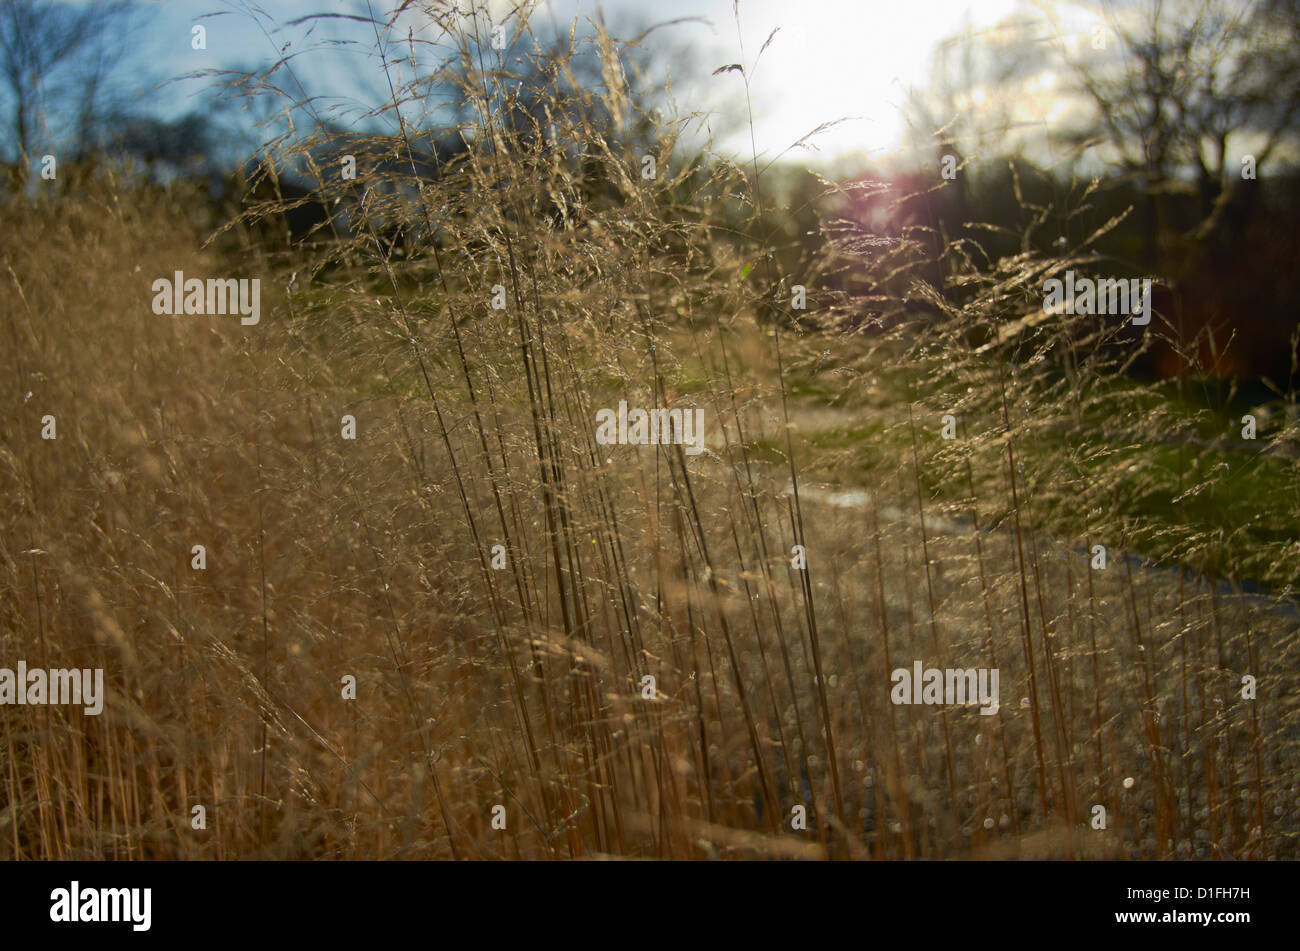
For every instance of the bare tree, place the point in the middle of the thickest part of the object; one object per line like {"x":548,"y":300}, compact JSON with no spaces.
{"x":968,"y":106}
{"x":54,"y":62}
{"x":1190,"y":88}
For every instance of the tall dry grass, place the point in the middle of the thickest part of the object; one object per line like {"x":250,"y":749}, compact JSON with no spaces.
{"x":522,"y":685}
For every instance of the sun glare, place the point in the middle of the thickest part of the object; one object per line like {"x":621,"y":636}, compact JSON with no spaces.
{"x":846,"y":60}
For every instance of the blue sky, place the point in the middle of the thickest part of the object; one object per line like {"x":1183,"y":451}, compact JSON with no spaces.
{"x":848,"y":60}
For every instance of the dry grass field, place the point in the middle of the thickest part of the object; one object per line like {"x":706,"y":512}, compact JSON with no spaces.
{"x":516,"y":676}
